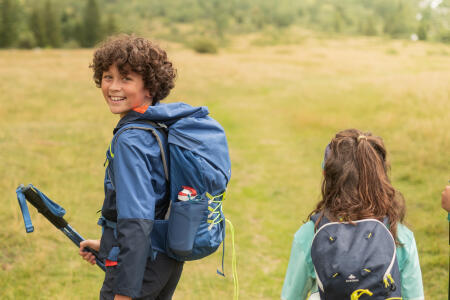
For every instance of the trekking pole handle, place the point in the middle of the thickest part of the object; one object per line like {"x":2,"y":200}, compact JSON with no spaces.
{"x":99,"y":263}
{"x":76,"y":238}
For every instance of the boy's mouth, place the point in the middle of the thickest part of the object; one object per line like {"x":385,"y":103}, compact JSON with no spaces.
{"x":116,"y":98}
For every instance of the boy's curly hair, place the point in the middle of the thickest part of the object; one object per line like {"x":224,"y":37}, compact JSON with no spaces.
{"x":139,"y":55}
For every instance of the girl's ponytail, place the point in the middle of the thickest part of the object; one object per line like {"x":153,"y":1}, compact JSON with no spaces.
{"x":356,"y":183}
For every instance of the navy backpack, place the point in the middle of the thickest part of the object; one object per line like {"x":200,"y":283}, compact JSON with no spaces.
{"x":355,"y":261}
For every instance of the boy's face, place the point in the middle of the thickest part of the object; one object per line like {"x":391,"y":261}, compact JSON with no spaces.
{"x":124,"y":93}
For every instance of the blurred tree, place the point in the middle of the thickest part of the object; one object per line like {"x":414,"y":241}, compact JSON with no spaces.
{"x":37,"y":25}
{"x":217,"y":11}
{"x":110,"y":27}
{"x":368,"y":26}
{"x":92,"y":28}
{"x":71,"y":31}
{"x":52,"y":25}
{"x":398,"y":17}
{"x":442,"y":23}
{"x":8,"y":22}
{"x":425,"y":18}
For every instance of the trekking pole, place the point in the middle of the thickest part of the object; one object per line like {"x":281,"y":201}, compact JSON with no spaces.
{"x":52,"y":212}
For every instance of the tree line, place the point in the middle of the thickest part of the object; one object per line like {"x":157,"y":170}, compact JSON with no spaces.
{"x":48,"y":23}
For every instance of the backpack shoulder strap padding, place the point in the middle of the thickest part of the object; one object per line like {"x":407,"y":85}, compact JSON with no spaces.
{"x":319,"y":216}
{"x":154,"y":130}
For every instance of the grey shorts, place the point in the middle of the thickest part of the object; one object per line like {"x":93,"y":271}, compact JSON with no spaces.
{"x":160,"y":279}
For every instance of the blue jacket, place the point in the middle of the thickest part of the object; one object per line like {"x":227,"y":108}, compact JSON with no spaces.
{"x":136,"y":192}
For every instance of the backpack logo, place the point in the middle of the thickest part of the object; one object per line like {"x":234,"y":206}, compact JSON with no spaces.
{"x":352,"y":278}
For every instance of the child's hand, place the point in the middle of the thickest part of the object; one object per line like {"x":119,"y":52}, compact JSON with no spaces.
{"x":120,"y":297}
{"x":88,"y":256}
{"x":446,"y":198}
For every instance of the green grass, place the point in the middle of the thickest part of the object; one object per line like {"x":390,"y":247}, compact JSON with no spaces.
{"x":280,"y":105}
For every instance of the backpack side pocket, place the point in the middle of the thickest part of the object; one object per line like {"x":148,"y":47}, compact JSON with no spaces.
{"x":184,"y":221}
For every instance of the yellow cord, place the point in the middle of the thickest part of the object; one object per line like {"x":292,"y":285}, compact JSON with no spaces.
{"x":358,"y":293}
{"x":233,"y":262}
{"x":216,"y":210}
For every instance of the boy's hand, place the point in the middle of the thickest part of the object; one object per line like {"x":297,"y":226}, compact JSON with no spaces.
{"x":120,"y":297}
{"x":88,"y":256}
{"x":446,"y":198}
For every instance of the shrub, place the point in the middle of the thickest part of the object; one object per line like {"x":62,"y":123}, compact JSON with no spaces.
{"x":204,"y":45}
{"x":26,"y":40}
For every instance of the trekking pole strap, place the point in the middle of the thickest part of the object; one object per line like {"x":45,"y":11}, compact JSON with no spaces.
{"x":49,"y":209}
{"x":24,"y":208}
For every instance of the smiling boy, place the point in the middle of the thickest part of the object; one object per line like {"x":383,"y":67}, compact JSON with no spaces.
{"x":134,"y":75}
{"x":124,"y":92}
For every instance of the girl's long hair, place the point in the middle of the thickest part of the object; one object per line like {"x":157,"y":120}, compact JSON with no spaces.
{"x":356,"y":184}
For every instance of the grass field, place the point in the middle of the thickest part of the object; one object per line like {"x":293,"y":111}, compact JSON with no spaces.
{"x":280,"y":105}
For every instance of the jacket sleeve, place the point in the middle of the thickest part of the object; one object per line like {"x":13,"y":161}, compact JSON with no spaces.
{"x":300,"y":278}
{"x":411,"y":275}
{"x":134,"y":152}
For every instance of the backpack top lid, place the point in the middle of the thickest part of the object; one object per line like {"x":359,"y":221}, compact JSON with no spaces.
{"x":190,"y":128}
{"x":355,"y":260}
{"x":205,"y":137}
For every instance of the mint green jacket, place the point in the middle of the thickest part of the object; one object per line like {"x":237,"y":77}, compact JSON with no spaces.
{"x":300,"y":276}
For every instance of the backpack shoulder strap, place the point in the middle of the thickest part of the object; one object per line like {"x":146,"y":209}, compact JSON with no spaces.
{"x":156,"y":129}
{"x":323,"y":219}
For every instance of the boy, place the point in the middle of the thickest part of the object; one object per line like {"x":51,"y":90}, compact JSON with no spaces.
{"x":134,"y":75}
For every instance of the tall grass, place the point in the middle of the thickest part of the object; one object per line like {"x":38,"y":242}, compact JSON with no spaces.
{"x":280,"y":106}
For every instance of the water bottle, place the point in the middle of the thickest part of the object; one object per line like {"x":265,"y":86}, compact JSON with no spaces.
{"x":187,"y":194}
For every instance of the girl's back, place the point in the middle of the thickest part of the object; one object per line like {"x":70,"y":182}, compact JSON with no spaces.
{"x":355,"y":186}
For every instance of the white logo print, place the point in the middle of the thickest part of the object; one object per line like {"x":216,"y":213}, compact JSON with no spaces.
{"x":352,"y":278}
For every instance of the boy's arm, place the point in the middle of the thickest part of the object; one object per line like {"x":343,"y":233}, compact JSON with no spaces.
{"x":135,"y":200}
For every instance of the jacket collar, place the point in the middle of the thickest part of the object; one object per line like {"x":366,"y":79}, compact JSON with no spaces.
{"x":130,"y":117}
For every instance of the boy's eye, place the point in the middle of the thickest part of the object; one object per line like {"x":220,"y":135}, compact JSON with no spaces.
{"x":127,"y":78}
{"x":107,"y":77}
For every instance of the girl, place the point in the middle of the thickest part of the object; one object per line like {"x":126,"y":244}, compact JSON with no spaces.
{"x":355,"y":186}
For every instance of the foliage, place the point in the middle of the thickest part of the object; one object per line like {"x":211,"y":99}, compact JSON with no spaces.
{"x":8,"y":22}
{"x":85,"y":23}
{"x":52,"y":25}
{"x":204,"y":45}
{"x":91,"y":28}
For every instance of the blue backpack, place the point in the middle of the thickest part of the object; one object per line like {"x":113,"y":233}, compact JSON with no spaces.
{"x":355,"y":261}
{"x":196,"y":159}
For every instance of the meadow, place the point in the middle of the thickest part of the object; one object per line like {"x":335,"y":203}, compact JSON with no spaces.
{"x":279,"y":104}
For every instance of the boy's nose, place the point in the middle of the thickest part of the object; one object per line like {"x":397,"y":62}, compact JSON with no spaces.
{"x":115,"y":86}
